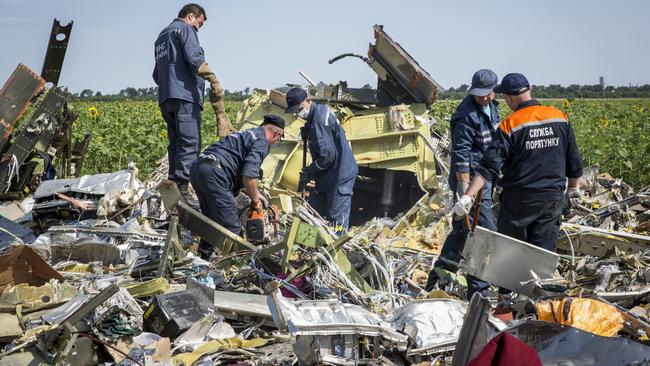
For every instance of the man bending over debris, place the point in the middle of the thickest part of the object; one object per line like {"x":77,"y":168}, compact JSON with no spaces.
{"x":536,"y":151}
{"x":226,"y":166}
{"x":179,"y":72}
{"x":473,"y":127}
{"x":333,"y":166}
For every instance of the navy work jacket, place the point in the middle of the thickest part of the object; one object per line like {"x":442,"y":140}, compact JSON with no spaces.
{"x":332,"y":159}
{"x":240,"y":154}
{"x":536,"y":151}
{"x":178,"y":56}
{"x":472,"y":132}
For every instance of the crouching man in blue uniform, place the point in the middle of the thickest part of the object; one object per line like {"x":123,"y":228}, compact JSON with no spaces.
{"x":333,"y":166}
{"x":536,"y":152}
{"x":229,"y":165}
{"x":473,"y":127}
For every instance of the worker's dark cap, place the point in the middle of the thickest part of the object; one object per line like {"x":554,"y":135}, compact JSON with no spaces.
{"x":513,"y":84}
{"x":483,"y":82}
{"x":274,"y":120}
{"x":295,"y":96}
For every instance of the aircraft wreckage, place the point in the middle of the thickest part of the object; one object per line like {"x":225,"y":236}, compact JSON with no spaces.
{"x":100,"y":269}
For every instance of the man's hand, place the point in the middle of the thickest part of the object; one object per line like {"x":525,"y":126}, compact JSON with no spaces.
{"x":573,"y":196}
{"x":257,"y":206}
{"x":462,"y":206}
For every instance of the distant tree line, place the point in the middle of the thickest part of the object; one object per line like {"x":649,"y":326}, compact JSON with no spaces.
{"x":567,"y":92}
{"x":539,"y":91}
{"x":146,"y":94}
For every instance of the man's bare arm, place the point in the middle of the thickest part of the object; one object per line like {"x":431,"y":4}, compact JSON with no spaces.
{"x":250,"y":184}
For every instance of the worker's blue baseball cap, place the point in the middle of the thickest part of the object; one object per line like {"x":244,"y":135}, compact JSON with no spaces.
{"x":295,"y":96}
{"x":483,"y":82}
{"x":274,"y":120}
{"x":513,"y":84}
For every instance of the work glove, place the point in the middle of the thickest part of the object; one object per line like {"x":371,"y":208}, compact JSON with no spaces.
{"x":462,"y":207}
{"x":461,"y":187}
{"x":573,"y":196}
{"x":206,"y":73}
{"x":224,"y":127}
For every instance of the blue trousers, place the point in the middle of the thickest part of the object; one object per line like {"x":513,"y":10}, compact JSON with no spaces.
{"x":184,"y":133}
{"x":452,"y":249}
{"x":334,"y":205}
{"x":535,"y":222}
{"x":213,"y":189}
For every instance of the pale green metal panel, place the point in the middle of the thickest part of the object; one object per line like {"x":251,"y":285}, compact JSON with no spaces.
{"x":373,"y":141}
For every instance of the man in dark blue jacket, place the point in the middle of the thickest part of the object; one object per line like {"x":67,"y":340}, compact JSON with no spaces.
{"x":229,"y":165}
{"x":473,"y":127}
{"x":536,"y":151}
{"x":180,"y":70}
{"x":333,"y":166}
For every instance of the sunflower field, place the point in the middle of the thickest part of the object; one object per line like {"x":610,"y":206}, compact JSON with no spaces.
{"x":131,"y":130}
{"x":611,"y":133}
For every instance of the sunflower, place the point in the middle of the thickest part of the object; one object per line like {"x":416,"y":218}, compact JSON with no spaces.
{"x":566,"y":103}
{"x":604,"y":121}
{"x":93,"y":112}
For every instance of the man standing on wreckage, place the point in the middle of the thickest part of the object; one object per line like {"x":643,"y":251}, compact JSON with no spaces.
{"x":473,"y":127}
{"x":536,"y":152}
{"x":333,"y":166}
{"x":227,"y":166}
{"x":179,"y":72}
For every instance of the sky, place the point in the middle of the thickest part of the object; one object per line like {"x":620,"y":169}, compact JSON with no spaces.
{"x":263,"y":43}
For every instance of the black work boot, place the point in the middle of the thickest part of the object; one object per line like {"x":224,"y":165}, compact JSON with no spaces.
{"x":186,"y":196}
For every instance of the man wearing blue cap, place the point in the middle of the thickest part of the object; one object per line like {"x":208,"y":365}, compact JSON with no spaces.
{"x":333,"y":166}
{"x":229,"y":165}
{"x":473,"y":127}
{"x":536,"y":152}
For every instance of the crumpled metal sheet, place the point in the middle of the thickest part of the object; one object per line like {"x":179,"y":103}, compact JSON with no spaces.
{"x":505,"y":261}
{"x":331,"y":317}
{"x":558,"y":344}
{"x":209,"y":328}
{"x":432,"y":325}
{"x":13,"y":233}
{"x":58,"y":315}
{"x":98,"y":184}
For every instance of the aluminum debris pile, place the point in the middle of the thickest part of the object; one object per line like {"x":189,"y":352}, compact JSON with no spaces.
{"x":132,"y":292}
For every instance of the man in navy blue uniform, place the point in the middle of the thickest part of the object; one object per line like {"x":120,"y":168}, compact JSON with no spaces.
{"x":536,"y":152}
{"x":333,"y":166}
{"x":229,"y":165}
{"x":179,"y":72}
{"x":473,"y":127}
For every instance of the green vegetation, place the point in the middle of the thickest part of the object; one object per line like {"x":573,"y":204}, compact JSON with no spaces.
{"x":132,"y":130}
{"x":612,"y":133}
